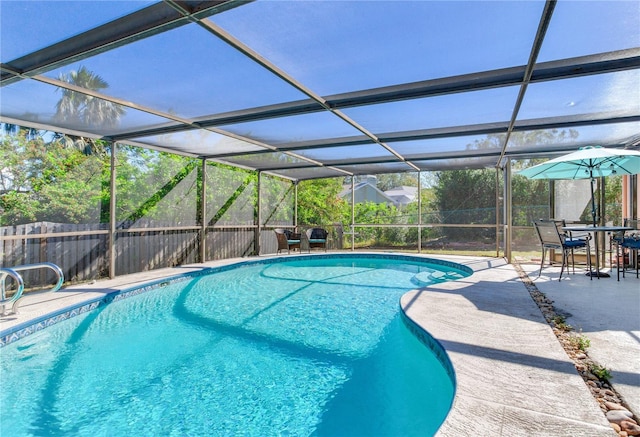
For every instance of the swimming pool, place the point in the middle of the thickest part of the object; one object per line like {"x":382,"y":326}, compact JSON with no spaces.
{"x":310,"y":345}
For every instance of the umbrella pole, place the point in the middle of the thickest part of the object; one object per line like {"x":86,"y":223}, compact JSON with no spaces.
{"x":596,"y":237}
{"x":593,"y":202}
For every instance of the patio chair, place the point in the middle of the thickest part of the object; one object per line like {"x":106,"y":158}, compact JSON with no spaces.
{"x":287,"y":240}
{"x":569,"y":236}
{"x":317,"y":238}
{"x":627,"y":247}
{"x":551,"y":237}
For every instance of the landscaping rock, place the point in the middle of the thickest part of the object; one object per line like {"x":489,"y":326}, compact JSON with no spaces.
{"x":620,"y":418}
{"x":614,"y":406}
{"x":617,"y":416}
{"x":630,"y":427}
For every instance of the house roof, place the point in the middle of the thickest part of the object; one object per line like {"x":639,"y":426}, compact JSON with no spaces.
{"x":402,"y":195}
{"x":307,"y":90}
{"x":365,"y":185}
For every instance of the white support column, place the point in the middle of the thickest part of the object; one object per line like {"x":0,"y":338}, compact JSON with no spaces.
{"x":258,"y":216}
{"x":203,"y":212}
{"x":112,"y":213}
{"x":353,"y":213}
{"x":508,"y":213}
{"x":419,"y":212}
{"x":498,"y":225}
{"x":295,"y":204}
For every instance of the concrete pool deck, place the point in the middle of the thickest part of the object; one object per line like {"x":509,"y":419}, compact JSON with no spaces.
{"x":514,"y":378}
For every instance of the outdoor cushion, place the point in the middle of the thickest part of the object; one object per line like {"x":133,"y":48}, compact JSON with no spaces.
{"x":318,"y":234}
{"x":631,"y":243}
{"x":575,"y":243}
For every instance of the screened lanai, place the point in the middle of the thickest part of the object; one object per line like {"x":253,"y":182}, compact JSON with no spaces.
{"x":258,"y":97}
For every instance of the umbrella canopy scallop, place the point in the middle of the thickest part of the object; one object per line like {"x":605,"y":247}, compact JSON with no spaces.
{"x":587,"y":163}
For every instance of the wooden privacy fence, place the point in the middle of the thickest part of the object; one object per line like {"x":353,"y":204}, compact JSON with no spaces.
{"x":81,"y":250}
{"x":78,"y":249}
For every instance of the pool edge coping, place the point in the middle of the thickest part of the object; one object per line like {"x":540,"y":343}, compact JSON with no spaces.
{"x":28,"y":327}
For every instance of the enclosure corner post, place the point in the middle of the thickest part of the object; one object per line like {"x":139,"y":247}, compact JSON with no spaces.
{"x":257,"y":216}
{"x":112,"y":213}
{"x":295,"y":204}
{"x":419,"y":212}
{"x":508,"y":225}
{"x":353,"y":213}
{"x":203,"y":211}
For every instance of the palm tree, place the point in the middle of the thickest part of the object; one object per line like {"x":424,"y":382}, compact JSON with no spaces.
{"x":14,"y":129}
{"x":77,"y":108}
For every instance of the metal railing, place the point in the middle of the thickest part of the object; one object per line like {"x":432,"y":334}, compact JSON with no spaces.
{"x":14,"y":300}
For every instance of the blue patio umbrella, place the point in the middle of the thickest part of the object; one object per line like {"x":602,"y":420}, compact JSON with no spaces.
{"x":588,"y":162}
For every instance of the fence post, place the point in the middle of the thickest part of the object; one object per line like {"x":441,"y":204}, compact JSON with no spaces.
{"x":43,"y":251}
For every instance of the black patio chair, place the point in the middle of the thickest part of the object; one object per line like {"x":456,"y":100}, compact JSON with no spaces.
{"x":317,"y":238}
{"x":627,"y":246}
{"x":551,"y":236}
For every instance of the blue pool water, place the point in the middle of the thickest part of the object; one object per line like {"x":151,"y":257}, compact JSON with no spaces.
{"x":309,"y":346}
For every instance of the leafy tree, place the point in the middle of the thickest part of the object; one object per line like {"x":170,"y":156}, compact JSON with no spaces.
{"x":613,"y":200}
{"x":156,"y":186}
{"x":375,"y":213}
{"x":15,"y":206}
{"x":469,"y":195}
{"x":530,"y":200}
{"x":277,"y":200}
{"x":524,"y":139}
{"x":466,"y":196}
{"x":393,"y":180}
{"x":47,"y":182}
{"x":319,"y":202}
{"x":51,"y":180}
{"x":230,"y":195}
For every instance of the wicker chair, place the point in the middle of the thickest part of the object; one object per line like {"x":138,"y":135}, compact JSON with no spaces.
{"x":287,"y":240}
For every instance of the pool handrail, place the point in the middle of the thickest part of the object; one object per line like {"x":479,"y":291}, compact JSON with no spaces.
{"x":13,"y":272}
{"x":4,"y":272}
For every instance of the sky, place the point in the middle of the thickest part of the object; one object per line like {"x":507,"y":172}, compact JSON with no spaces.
{"x":189,"y":72}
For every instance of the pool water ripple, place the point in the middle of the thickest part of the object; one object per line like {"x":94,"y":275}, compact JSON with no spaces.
{"x":309,"y":347}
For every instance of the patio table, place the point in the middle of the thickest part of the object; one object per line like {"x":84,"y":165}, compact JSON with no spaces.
{"x":595,"y":230}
